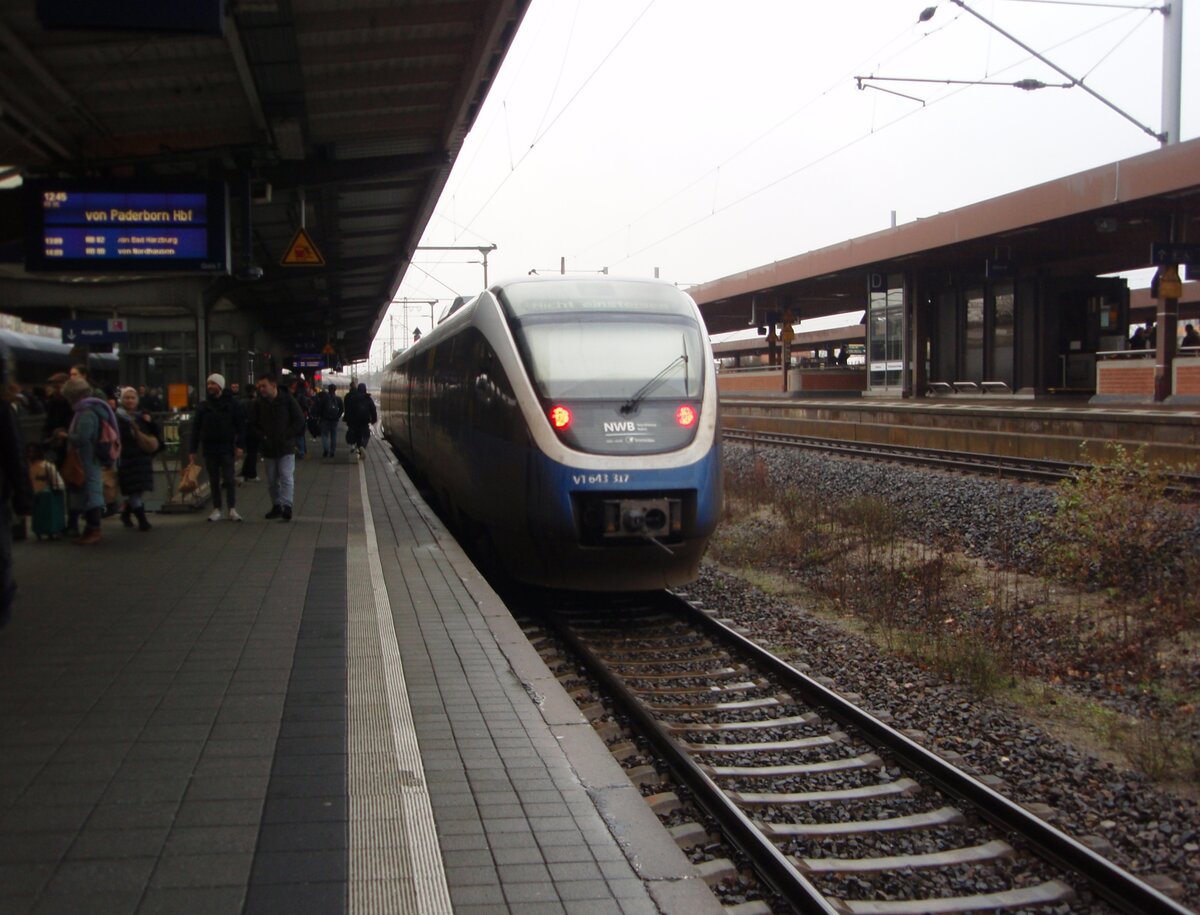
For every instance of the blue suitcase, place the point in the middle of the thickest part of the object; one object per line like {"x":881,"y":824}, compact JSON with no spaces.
{"x":49,"y":513}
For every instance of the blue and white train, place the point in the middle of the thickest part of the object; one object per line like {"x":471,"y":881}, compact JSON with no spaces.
{"x":569,"y":427}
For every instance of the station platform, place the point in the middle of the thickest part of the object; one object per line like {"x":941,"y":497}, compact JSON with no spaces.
{"x":1043,"y":429}
{"x":335,"y":714}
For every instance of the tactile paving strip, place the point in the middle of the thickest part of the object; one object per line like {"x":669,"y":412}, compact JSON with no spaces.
{"x":395,"y":859}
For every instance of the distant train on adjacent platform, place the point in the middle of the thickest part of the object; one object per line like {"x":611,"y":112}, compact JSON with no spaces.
{"x":568,"y":427}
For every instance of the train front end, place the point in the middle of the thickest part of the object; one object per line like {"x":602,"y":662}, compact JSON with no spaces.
{"x":625,"y":476}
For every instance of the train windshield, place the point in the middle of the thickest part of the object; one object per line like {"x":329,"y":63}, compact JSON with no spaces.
{"x":589,"y":339}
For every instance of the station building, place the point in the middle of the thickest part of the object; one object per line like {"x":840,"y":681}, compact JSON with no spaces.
{"x":1017,"y":295}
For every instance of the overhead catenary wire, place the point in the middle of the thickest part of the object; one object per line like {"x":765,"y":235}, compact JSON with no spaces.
{"x":849,"y":144}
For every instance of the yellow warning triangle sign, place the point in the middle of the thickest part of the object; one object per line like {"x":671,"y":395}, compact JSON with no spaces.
{"x":302,"y":252}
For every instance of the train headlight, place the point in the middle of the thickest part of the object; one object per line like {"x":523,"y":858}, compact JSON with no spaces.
{"x":560,"y":417}
{"x":686,"y":416}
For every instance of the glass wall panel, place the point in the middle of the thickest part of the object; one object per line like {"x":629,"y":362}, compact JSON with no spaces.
{"x":885,"y":330}
{"x":973,"y":367}
{"x":1003,"y":335}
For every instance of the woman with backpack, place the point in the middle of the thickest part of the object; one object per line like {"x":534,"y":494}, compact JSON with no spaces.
{"x":82,"y":468}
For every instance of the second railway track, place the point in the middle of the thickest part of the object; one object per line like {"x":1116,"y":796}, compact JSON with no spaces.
{"x":836,"y":810}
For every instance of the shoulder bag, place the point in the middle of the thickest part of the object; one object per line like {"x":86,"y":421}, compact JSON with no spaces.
{"x":146,"y":442}
{"x":72,"y":469}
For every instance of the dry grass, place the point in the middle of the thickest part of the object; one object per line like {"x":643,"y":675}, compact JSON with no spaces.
{"x":1131,"y":646}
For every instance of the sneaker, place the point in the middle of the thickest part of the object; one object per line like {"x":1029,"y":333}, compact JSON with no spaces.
{"x":216,"y":515}
{"x":249,"y":479}
{"x":275,"y":512}
{"x":233,"y":515}
{"x":89,"y":537}
{"x":287,"y":513}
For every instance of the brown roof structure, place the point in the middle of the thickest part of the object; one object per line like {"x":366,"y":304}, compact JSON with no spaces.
{"x":1100,"y":221}
{"x":361,"y":106}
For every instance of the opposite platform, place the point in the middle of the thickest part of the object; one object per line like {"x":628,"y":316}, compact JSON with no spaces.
{"x":335,"y":714}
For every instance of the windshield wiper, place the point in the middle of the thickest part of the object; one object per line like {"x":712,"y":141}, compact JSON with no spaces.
{"x":653,"y":384}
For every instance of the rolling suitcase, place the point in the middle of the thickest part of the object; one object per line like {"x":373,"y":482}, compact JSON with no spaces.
{"x":49,"y":511}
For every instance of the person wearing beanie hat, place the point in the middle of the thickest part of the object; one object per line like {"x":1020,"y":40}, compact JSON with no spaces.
{"x":219,"y":430}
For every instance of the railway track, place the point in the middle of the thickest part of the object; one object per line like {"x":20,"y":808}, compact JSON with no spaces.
{"x":837,"y":811}
{"x":994,"y":465}
{"x":1016,"y":468}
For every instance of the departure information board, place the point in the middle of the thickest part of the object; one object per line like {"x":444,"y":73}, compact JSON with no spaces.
{"x":78,"y":227}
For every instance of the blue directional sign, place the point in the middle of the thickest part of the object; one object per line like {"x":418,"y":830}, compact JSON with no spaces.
{"x":1170,"y":252}
{"x":308,"y":361}
{"x":97,"y":330}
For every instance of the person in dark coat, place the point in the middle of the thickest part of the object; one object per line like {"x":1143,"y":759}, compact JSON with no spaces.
{"x":135,"y":473}
{"x":16,"y":495}
{"x":58,"y":416}
{"x":275,"y":422}
{"x":329,"y":408}
{"x":219,"y":427}
{"x":360,"y":415}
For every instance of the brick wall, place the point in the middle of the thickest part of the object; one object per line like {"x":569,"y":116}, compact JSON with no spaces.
{"x":1125,"y":378}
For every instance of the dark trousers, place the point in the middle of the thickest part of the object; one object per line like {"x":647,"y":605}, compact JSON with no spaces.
{"x":250,"y":464}
{"x":220,"y":469}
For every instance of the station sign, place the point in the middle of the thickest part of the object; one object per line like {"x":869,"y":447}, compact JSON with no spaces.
{"x":98,"y":330}
{"x":308,"y":361}
{"x":1173,"y":252}
{"x":126,"y":227}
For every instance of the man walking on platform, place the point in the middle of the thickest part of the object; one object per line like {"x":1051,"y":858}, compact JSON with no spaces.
{"x":219,"y":428}
{"x":329,"y":408}
{"x":275,"y":421}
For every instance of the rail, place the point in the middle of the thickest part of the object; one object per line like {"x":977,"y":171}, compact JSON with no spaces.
{"x":1028,"y":469}
{"x":787,"y":875}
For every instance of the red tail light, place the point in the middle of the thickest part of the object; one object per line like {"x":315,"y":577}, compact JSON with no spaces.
{"x":686,"y":416}
{"x":560,"y":417}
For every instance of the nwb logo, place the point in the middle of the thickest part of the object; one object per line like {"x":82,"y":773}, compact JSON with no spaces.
{"x":626,"y":426}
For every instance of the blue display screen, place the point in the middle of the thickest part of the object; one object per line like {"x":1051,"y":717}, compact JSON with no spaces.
{"x":83,"y":229}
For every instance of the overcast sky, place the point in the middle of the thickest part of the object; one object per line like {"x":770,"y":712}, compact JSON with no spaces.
{"x":704,"y":137}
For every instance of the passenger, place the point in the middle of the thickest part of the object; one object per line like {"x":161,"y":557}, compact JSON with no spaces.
{"x":136,"y":470}
{"x":16,"y":499}
{"x":1138,"y":340}
{"x":843,"y":356}
{"x":1151,"y":335}
{"x":82,"y":438}
{"x":1190,"y":337}
{"x":58,"y":416}
{"x":360,"y":415}
{"x":275,"y":421}
{"x":80,"y":370}
{"x":304,"y":402}
{"x":329,"y":408}
{"x":219,"y":426}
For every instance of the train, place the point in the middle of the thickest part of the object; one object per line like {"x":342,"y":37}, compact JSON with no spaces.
{"x":567,"y":429}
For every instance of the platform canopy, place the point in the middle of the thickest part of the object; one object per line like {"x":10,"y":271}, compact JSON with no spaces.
{"x":1097,"y":222}
{"x":341,"y":115}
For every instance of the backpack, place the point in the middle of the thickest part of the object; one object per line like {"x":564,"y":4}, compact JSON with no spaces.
{"x":332,"y":408}
{"x":359,"y":411}
{"x":108,"y":444}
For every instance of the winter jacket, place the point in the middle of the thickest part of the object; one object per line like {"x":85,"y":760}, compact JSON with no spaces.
{"x":275,"y":423}
{"x":219,"y":426}
{"x":136,"y":470}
